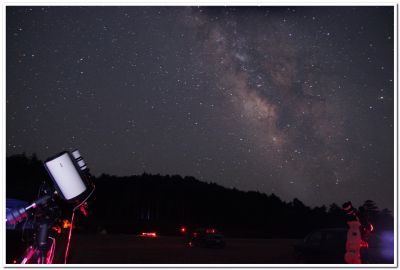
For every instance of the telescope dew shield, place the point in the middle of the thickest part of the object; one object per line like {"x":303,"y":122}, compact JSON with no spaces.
{"x":66,"y":176}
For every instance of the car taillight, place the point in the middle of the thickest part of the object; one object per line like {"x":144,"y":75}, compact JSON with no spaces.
{"x":149,"y":234}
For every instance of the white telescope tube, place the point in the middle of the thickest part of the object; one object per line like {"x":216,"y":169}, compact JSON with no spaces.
{"x":66,"y":176}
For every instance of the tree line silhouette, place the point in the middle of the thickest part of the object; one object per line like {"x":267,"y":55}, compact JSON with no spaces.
{"x":138,"y":203}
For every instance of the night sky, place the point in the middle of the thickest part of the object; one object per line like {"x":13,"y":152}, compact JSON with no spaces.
{"x":295,"y":101}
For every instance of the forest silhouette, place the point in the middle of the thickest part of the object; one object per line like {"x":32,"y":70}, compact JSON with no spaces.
{"x":137,"y":203}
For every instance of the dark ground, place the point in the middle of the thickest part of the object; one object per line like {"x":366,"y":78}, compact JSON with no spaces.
{"x":131,"y":249}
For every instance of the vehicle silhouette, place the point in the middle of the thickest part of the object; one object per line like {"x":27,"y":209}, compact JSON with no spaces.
{"x":207,"y":238}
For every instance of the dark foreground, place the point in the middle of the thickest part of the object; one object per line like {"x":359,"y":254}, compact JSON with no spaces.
{"x":130,"y":249}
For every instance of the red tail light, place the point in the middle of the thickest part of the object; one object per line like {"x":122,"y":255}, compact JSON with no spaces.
{"x":149,"y":234}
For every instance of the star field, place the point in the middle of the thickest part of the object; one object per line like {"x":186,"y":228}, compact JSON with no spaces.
{"x":296,"y":101}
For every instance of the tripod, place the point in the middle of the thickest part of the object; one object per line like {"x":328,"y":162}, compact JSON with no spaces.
{"x":41,"y":252}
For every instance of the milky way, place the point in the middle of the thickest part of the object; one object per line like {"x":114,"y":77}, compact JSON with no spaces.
{"x":294,"y":107}
{"x":296,"y":101}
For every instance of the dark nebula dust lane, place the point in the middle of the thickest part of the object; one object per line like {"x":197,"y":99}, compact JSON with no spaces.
{"x":295,"y":101}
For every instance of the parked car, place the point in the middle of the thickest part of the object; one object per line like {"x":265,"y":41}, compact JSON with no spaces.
{"x":208,"y":238}
{"x":328,"y":246}
{"x":322,"y":246}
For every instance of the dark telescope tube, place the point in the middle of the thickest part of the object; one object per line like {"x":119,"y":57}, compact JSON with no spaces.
{"x":17,"y":214}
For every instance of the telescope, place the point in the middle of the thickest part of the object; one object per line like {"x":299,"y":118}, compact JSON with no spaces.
{"x":72,"y":183}
{"x":70,"y":175}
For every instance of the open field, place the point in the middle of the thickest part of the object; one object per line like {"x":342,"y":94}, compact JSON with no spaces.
{"x":131,"y":249}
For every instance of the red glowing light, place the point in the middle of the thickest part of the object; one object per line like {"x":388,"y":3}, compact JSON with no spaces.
{"x":149,"y":234}
{"x":31,"y":252}
{"x":210,"y":231}
{"x":183,"y":229}
{"x":14,"y":261}
{"x":363,"y":244}
{"x":195,"y":234}
{"x":371,"y":227}
{"x":57,"y":229}
{"x":50,"y":253}
{"x":69,"y":236}
{"x":66,"y":224}
{"x":83,"y":209}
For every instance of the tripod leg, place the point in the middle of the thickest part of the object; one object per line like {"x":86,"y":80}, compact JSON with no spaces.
{"x":42,"y":241}
{"x":30,"y":252}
